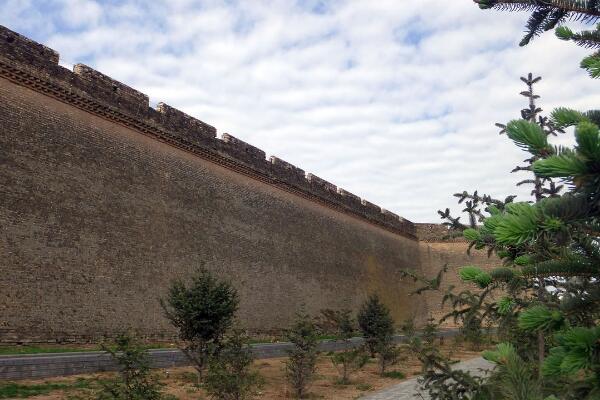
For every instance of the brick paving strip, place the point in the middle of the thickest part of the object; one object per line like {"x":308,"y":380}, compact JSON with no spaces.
{"x":37,"y":366}
{"x":410,"y":389}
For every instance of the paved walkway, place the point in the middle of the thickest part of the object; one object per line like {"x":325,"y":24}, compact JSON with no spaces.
{"x":410,"y":389}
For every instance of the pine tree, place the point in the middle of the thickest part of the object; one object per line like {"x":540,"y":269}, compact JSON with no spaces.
{"x":552,"y":14}
{"x":549,"y":285}
{"x":202,"y":312}
{"x":375,"y":323}
{"x":552,"y":243}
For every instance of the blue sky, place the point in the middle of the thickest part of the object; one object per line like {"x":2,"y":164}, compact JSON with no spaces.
{"x":394,"y":100}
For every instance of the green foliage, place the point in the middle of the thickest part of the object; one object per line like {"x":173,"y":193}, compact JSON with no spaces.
{"x":438,"y":377}
{"x":475,"y":275}
{"x":588,"y":39}
{"x":548,"y":292}
{"x":540,"y":318}
{"x":349,"y":359}
{"x":376,"y":323}
{"x":301,"y":365}
{"x":501,"y":354}
{"x":505,"y":305}
{"x":469,"y":273}
{"x":529,"y":136}
{"x":229,"y":375}
{"x":523,"y":259}
{"x":135,"y":382}
{"x":577,"y":164}
{"x":394,"y":375}
{"x":592,"y":64}
{"x":388,"y":354}
{"x":565,"y":117}
{"x":513,"y":377}
{"x":550,"y":14}
{"x":503,"y":274}
{"x":518,"y":225}
{"x":202,"y":312}
{"x":338,"y":323}
{"x":13,"y":390}
{"x":578,"y":351}
{"x":471,"y":234}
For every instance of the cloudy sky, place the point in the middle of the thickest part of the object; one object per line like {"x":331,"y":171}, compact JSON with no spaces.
{"x":394,"y":100}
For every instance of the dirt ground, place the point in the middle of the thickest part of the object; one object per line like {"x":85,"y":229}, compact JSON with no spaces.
{"x":181,"y":382}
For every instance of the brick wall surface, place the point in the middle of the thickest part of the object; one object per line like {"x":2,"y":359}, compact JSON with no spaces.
{"x":97,"y":220}
{"x":104,"y":201}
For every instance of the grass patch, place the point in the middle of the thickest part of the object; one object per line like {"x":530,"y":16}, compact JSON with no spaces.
{"x":12,"y":390}
{"x":394,"y":375}
{"x":16,"y":350}
{"x":40,"y":349}
{"x":363,"y":387}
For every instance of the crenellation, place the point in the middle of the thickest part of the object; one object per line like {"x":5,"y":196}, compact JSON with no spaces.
{"x":36,"y":66}
{"x":110,"y":200}
{"x":320,"y":183}
{"x":370,"y":207}
{"x":390,"y":214}
{"x":287,"y":172}
{"x":243,"y":147}
{"x":112,"y":91}
{"x":185,"y":125}
{"x":20,"y":48}
{"x":350,"y":199}
{"x":391,"y":218}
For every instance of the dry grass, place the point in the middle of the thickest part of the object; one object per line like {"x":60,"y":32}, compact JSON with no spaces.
{"x":181,"y":382}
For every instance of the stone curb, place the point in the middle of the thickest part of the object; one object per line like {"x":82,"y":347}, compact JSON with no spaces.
{"x":36,"y":366}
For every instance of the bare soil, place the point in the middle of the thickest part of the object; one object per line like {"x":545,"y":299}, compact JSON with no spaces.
{"x":182,"y":382}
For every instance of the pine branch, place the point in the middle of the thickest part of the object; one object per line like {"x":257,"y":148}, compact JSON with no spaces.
{"x":586,"y":39}
{"x":585,"y":8}
{"x":535,"y":24}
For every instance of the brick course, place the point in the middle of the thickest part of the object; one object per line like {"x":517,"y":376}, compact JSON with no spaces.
{"x":105,"y":200}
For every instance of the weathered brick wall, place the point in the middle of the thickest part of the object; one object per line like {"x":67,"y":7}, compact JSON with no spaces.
{"x":104,"y":201}
{"x":98,"y":219}
{"x":439,"y":248}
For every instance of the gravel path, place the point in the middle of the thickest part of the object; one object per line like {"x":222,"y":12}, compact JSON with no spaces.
{"x":410,"y":388}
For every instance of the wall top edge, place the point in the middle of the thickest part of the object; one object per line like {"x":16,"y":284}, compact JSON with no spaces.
{"x":24,"y":60}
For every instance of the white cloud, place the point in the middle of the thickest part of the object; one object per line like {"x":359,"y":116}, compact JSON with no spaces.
{"x":393,"y":100}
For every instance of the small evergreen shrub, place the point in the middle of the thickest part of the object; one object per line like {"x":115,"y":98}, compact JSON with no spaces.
{"x":388,"y":354}
{"x":349,"y":359}
{"x":301,"y":365}
{"x":135,"y":382}
{"x":229,"y":375}
{"x":202,"y":312}
{"x":376,"y":323}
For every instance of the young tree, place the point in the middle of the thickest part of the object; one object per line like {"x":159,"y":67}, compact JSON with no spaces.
{"x":376,"y":324}
{"x":229,"y":375}
{"x":349,"y":359}
{"x":302,"y":358}
{"x":135,"y":382}
{"x":548,"y":287}
{"x":551,"y":14}
{"x":202,"y":312}
{"x":438,"y":377}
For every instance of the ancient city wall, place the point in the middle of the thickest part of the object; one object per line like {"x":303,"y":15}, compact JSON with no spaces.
{"x":105,"y":200}
{"x":440,"y":248}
